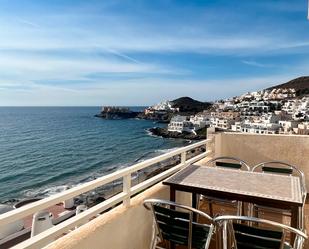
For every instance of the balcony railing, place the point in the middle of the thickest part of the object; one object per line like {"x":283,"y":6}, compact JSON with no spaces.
{"x":46,"y":237}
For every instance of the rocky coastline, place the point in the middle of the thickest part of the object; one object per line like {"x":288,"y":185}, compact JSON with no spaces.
{"x":117,"y":115}
{"x":163,"y":132}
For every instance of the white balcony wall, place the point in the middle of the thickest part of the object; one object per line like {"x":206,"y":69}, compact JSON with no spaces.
{"x":254,"y":149}
{"x":122,"y":227}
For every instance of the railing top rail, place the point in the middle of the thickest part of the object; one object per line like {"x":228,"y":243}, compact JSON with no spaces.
{"x":29,"y":209}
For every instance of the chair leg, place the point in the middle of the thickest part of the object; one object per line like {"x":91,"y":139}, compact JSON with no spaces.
{"x":301,"y":218}
{"x":224,"y":235}
{"x":154,"y":237}
{"x":218,"y":238}
{"x":250,"y":210}
{"x":154,"y":243}
{"x":198,"y":200}
{"x":256,"y":212}
{"x":239,"y":208}
{"x":253,"y":212}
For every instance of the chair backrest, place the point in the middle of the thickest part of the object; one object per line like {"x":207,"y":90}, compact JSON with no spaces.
{"x":175,"y":223}
{"x":279,"y":167}
{"x":229,"y":162}
{"x":245,"y":236}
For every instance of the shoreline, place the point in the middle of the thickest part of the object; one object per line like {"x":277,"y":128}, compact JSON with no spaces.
{"x":107,"y":191}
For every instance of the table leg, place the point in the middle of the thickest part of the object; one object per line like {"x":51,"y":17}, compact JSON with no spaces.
{"x":172,"y":194}
{"x":294,"y":221}
{"x":194,"y":200}
{"x":194,"y":205}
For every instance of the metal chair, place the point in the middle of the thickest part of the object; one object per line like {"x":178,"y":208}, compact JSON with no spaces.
{"x":174,"y":223}
{"x":236,"y":234}
{"x":230,"y":163}
{"x":283,"y":168}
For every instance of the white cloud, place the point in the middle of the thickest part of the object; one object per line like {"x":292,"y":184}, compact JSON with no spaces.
{"x":256,"y":64}
{"x":121,"y":34}
{"x":136,"y":91}
{"x":35,"y":68}
{"x":32,"y":24}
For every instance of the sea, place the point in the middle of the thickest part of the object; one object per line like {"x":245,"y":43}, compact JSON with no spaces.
{"x":44,"y":150}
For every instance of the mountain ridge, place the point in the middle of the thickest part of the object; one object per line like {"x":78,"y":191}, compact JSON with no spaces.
{"x":300,"y":84}
{"x":187,"y":104}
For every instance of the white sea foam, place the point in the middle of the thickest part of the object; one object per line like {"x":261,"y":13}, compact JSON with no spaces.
{"x":47,"y":191}
{"x":163,"y":151}
{"x":149,"y":133}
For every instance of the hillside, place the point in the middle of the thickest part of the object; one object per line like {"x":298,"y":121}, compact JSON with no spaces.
{"x":186,"y":104}
{"x":301,"y":85}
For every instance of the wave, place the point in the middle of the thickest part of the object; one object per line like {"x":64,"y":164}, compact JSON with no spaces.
{"x":45,"y":192}
{"x":149,"y":133}
{"x":164,"y":151}
{"x":51,"y":190}
{"x":143,"y":157}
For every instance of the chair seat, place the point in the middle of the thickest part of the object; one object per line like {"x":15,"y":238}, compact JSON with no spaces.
{"x":179,"y":235}
{"x":239,"y":232}
{"x":257,"y":238}
{"x":223,"y":202}
{"x":174,"y":226}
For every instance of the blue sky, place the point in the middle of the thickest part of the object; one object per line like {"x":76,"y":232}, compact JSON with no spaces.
{"x":74,"y":52}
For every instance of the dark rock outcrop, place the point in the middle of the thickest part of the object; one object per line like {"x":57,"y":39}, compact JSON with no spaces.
{"x":114,"y":112}
{"x":187,"y":104}
{"x":163,"y":132}
{"x":117,"y":115}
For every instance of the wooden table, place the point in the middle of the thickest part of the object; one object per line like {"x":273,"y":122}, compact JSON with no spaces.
{"x":273,"y":190}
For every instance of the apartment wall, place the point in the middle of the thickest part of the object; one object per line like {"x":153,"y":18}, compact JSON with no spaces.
{"x":254,"y":149}
{"x":122,"y":227}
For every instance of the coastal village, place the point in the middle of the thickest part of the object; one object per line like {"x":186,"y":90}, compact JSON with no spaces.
{"x":283,"y":109}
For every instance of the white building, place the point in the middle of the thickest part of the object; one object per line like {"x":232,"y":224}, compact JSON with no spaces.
{"x":221,"y":123}
{"x":256,"y":128}
{"x":184,"y":124}
{"x":265,"y":124}
{"x":180,"y":124}
{"x":270,"y":118}
{"x":161,"y":108}
{"x":199,"y":121}
{"x":287,"y":126}
{"x":290,"y":106}
{"x":302,"y":128}
{"x":301,"y":111}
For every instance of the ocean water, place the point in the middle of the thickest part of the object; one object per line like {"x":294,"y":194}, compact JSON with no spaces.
{"x":45,"y":149}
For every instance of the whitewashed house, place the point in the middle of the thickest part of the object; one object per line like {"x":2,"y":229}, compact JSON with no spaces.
{"x":200,"y":121}
{"x":287,"y":126}
{"x":180,"y":124}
